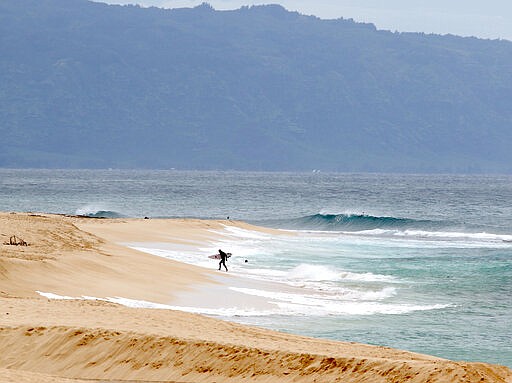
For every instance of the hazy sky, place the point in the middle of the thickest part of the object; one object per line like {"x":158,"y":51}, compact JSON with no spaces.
{"x":481,"y":18}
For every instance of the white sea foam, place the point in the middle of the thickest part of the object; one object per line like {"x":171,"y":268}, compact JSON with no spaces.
{"x":357,"y":308}
{"x":320,"y":299}
{"x":88,"y":209}
{"x":286,"y":304}
{"x":223,"y":311}
{"x":323,"y":305}
{"x":54,"y":296}
{"x":438,"y":235}
{"x":349,"y":212}
{"x":242,"y":233}
{"x":367,"y":277}
{"x":133,"y":303}
{"x":307,"y":272}
{"x":319,"y":273}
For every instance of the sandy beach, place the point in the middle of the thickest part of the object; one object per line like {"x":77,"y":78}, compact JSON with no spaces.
{"x":75,"y":340}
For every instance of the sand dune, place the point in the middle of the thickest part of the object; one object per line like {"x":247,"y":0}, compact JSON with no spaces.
{"x":44,"y":340}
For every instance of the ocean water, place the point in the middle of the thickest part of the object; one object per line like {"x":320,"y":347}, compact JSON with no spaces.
{"x":416,"y":262}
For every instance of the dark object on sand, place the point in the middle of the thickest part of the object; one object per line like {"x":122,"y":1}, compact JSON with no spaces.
{"x":223,"y":258}
{"x":15,"y":241}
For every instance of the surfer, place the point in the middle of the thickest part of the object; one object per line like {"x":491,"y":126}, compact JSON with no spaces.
{"x":223,"y":259}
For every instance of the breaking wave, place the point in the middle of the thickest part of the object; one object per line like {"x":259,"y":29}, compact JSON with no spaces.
{"x":93,"y":212}
{"x":359,"y":222}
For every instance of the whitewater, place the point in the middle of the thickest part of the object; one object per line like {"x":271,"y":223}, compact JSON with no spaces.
{"x":416,"y":262}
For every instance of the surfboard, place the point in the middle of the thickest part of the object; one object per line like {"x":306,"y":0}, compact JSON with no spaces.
{"x":217,"y":256}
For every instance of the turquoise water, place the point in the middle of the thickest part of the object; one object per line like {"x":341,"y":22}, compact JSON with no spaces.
{"x":422,"y":263}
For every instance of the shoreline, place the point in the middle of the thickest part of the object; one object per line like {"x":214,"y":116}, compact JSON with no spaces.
{"x":81,"y":339}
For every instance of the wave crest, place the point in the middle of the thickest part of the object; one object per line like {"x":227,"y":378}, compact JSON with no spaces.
{"x":96,"y":212}
{"x":358,"y":222}
{"x":320,"y":273}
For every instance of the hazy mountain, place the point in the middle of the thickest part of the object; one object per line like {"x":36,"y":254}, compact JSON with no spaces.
{"x":86,"y":84}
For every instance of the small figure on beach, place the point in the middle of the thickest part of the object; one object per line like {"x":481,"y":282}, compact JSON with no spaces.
{"x":223,"y":259}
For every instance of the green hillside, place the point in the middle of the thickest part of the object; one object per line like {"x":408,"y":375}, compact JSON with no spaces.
{"x":91,"y":85}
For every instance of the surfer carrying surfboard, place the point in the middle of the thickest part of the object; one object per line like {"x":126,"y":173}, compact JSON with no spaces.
{"x":223,"y":259}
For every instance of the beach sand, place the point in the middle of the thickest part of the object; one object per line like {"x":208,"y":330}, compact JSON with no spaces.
{"x":74,"y":340}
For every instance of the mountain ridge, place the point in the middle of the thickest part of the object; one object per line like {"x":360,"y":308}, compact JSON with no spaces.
{"x":260,"y":88}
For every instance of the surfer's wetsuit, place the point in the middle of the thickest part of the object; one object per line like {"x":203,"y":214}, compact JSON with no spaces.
{"x":223,"y":258}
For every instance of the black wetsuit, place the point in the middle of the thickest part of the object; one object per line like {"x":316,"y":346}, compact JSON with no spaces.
{"x":223,"y":258}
